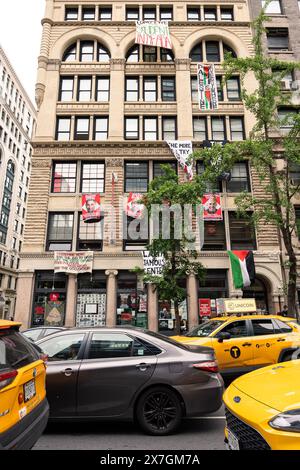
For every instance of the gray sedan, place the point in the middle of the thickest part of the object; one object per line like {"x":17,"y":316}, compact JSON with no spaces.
{"x":128,"y":373}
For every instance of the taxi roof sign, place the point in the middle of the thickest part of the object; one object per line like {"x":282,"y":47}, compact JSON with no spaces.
{"x":240,"y":305}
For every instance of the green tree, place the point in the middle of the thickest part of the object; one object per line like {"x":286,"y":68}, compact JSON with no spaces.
{"x":177,"y":242}
{"x":271,"y":158}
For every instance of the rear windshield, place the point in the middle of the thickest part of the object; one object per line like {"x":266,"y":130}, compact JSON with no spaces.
{"x":15,"y":350}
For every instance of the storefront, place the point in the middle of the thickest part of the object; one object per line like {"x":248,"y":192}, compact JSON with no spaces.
{"x":91,"y":299}
{"x":49,"y":300}
{"x":214,"y":286}
{"x":132,"y":305}
{"x":166,"y":315}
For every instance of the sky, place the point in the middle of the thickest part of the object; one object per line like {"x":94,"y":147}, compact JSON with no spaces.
{"x":20,"y":37}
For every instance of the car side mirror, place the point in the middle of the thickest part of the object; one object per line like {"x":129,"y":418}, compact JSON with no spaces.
{"x":222,"y":336}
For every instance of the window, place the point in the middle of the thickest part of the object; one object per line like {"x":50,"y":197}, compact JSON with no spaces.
{"x":86,"y":51}
{"x":100,"y":128}
{"x":102,"y":89}
{"x":236,"y":128}
{"x":237,"y":329}
{"x":262,"y":327}
{"x":150,"y":89}
{"x":84,"y":89}
{"x":71,"y":14}
{"x":274,"y":7}
{"x":214,"y":235}
{"x":63,"y":348}
{"x":132,"y":89}
{"x":233,"y":89}
{"x":166,"y":14}
{"x":169,"y":128}
{"x":88,"y":14}
{"x":110,"y":345}
{"x":158,"y":170}
{"x":135,"y":233}
{"x":286,"y":118}
{"x":212,"y":51}
{"x":64,"y":177}
{"x":149,"y":54}
{"x":199,"y":128}
{"x":103,"y":54}
{"x":92,"y":179}
{"x":60,"y":232}
{"x":149,"y":13}
{"x":66,"y":89}
{"x":242,"y":234}
{"x":63,"y":128}
{"x":132,"y":14}
{"x":168,"y":90}
{"x":211,"y":186}
{"x":166,"y":55}
{"x":218,"y":129}
{"x":278,"y":39}
{"x":196,"y":54}
{"x":133,"y":54}
{"x":282,"y":327}
{"x":90,"y":236}
{"x":228,"y":51}
{"x":226,"y":14}
{"x":194,"y":89}
{"x":239,"y":181}
{"x":131,"y":128}
{"x":210,"y":14}
{"x":105,"y":14}
{"x":136,"y":177}
{"x":219,"y":88}
{"x":82,"y":128}
{"x":193,"y":14}
{"x":294,"y":173}
{"x":150,"y":128}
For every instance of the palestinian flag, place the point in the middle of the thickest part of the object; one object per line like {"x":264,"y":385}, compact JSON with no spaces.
{"x":243,"y":268}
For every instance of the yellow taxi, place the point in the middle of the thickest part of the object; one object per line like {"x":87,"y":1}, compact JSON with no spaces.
{"x":24,"y":407}
{"x":247,"y":342}
{"x":263,"y":409}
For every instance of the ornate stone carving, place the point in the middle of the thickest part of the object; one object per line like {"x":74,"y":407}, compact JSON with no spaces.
{"x":37,"y":163}
{"x":114,"y":162}
{"x":183,"y":64}
{"x":53,"y":64}
{"x":117,"y":64}
{"x":111,"y":273}
{"x":39,"y":94}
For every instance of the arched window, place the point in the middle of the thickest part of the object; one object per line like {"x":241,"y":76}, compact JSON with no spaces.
{"x":149,"y":54}
{"x":6,"y":201}
{"x":210,"y":51}
{"x":87,"y":52}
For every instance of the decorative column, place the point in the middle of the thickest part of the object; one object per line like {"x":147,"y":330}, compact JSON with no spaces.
{"x":152,"y":308}
{"x":111,"y":298}
{"x":70,"y":318}
{"x":184,"y":98}
{"x":116,"y":108}
{"x":23,"y":307}
{"x":192,"y":297}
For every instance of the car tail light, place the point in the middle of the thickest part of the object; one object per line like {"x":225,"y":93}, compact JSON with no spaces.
{"x":208,"y":366}
{"x":20,"y":398}
{"x":7,"y":378}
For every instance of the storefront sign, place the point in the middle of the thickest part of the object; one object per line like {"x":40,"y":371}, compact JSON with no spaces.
{"x":207,"y":87}
{"x":220,"y":306}
{"x":153,"y":265}
{"x":73,"y":262}
{"x":240,"y":305}
{"x":212,"y":209}
{"x":204,"y":307}
{"x":91,"y":207}
{"x":182,"y":150}
{"x":133,"y":208}
{"x":153,"y":33}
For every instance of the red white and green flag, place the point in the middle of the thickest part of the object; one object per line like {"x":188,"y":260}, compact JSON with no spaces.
{"x":207,"y":87}
{"x":243,"y":268}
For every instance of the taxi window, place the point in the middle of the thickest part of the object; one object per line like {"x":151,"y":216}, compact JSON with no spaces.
{"x":15,"y":350}
{"x":263,"y":327}
{"x":237,"y":329}
{"x":283,"y":327}
{"x":206,"y":329}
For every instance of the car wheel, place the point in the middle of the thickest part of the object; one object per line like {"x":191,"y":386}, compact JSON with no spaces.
{"x":159,"y":411}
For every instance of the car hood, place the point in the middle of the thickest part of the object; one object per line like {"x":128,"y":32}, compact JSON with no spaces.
{"x":277,"y":386}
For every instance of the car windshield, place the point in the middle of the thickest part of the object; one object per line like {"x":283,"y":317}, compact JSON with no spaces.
{"x":206,"y":329}
{"x":15,"y":350}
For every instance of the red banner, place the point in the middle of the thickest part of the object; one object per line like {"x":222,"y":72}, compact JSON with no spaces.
{"x":204,"y":308}
{"x":212,"y":209}
{"x":91,"y":207}
{"x":133,"y":208}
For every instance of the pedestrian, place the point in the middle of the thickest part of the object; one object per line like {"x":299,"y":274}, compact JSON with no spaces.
{"x":285,"y":311}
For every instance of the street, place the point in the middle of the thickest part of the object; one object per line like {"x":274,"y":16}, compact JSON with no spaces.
{"x":202,"y":433}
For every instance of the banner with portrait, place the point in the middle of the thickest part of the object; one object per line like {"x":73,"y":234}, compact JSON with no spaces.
{"x":212,"y":209}
{"x":90,"y":207}
{"x":133,"y":208}
{"x":153,"y":33}
{"x":207,"y":87}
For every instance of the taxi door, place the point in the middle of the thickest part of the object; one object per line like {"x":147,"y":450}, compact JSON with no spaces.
{"x":236,"y":352}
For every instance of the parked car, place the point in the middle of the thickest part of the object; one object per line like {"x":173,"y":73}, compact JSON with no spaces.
{"x":24,"y":408}
{"x":34,"y":334}
{"x":263,"y":409}
{"x":127,"y":373}
{"x":245,"y":343}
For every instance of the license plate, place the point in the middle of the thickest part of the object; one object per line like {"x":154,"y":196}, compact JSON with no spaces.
{"x":233,"y":442}
{"x":29,"y":390}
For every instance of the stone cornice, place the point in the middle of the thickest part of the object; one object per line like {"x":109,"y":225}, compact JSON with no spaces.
{"x":131,"y":24}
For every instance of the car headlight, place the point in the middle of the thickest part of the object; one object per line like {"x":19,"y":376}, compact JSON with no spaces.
{"x":288,"y":421}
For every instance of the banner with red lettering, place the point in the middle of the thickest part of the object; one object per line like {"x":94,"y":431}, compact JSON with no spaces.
{"x":153,"y":33}
{"x":91,"y":211}
{"x":212,"y":209}
{"x":207,"y":87}
{"x":182,"y":150}
{"x":204,"y":307}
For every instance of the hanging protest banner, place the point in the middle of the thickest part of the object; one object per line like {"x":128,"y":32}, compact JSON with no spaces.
{"x":182,"y":150}
{"x":91,"y":208}
{"x":153,"y":265}
{"x":212,"y":209}
{"x":73,"y":262}
{"x":207,"y":87}
{"x":153,"y":33}
{"x":133,"y":208}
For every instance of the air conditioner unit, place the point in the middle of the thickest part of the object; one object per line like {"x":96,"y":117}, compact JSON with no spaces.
{"x":285,"y":84}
